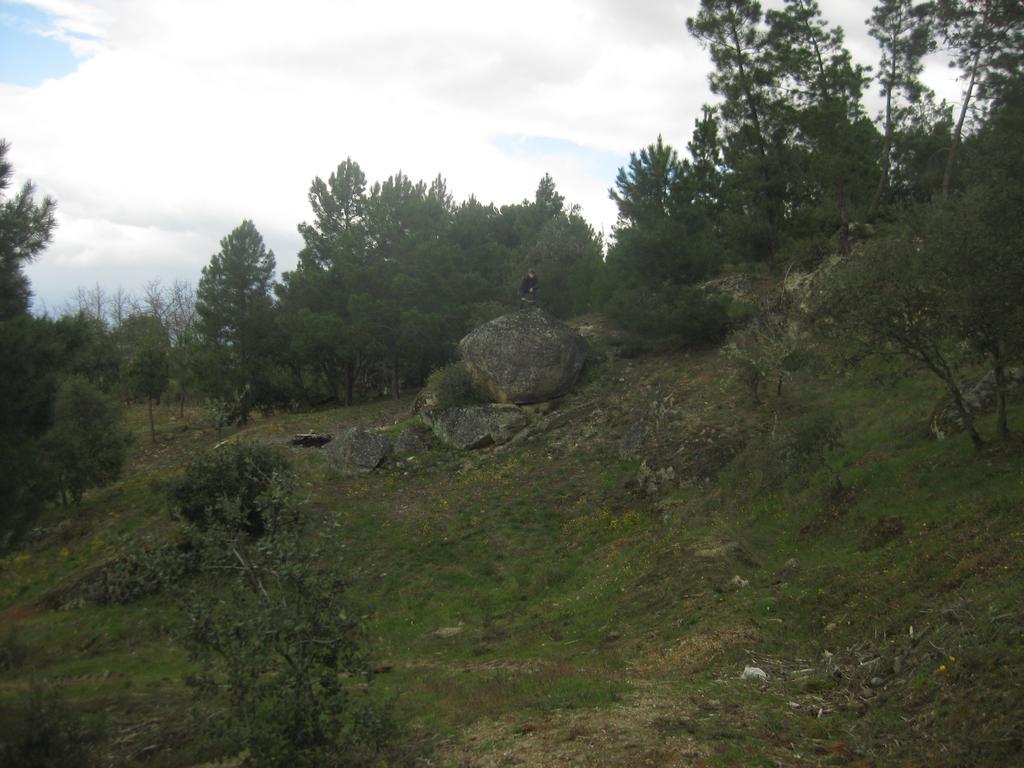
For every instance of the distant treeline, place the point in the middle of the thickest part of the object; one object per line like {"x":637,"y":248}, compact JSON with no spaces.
{"x":391,"y":274}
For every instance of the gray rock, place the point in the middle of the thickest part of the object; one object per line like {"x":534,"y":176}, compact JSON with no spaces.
{"x":525,"y":357}
{"x":412,"y":440}
{"x":651,"y":480}
{"x":445,"y":633}
{"x":478,"y":426}
{"x":634,"y":440}
{"x":425,"y":402}
{"x":561,"y":418}
{"x":753,"y":673}
{"x":639,"y":435}
{"x":982,"y":395}
{"x":358,"y":450}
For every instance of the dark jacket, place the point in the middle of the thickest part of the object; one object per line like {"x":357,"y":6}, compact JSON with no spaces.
{"x":528,"y":286}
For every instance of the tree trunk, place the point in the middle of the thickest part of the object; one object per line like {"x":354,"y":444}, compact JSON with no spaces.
{"x":886,"y":158}
{"x":947,"y":177}
{"x":965,"y":414}
{"x":844,"y":219}
{"x":1001,"y":423}
{"x":350,"y":381}
{"x":152,"y":426}
{"x":396,"y":393}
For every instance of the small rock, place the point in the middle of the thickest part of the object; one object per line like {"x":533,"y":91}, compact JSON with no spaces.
{"x":792,"y":564}
{"x":650,"y":481}
{"x":753,"y":673}
{"x":877,"y":682}
{"x":897,"y":665}
{"x":446,"y":632}
{"x":739,"y":582}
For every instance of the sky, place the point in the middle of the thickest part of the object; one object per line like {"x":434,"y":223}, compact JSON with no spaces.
{"x":159,"y":125}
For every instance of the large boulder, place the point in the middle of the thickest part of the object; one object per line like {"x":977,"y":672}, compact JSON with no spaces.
{"x":358,"y":450}
{"x":477,"y":426}
{"x":412,"y":440}
{"x":525,"y":357}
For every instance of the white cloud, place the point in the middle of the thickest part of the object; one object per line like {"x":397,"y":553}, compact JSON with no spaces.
{"x":186,"y":116}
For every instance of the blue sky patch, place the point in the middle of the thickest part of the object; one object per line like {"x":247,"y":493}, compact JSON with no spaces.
{"x":600,"y":165}
{"x":27,"y":56}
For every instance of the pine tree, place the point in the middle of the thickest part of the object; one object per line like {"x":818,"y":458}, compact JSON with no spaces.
{"x":746,"y":78}
{"x":26,"y":227}
{"x":30,"y":351}
{"x":822,"y":88}
{"x":904,"y":35}
{"x":233,"y":301}
{"x":986,"y":38}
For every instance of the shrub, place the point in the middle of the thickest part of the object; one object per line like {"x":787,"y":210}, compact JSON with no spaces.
{"x":241,"y":486}
{"x":455,"y":387}
{"x":282,"y":668}
{"x":140,"y":573}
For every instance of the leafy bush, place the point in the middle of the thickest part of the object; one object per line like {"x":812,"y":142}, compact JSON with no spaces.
{"x":140,"y":573}
{"x":455,"y":387}
{"x":282,"y":667}
{"x":241,"y":486}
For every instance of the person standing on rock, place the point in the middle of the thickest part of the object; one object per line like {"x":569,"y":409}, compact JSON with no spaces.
{"x":528,"y":289}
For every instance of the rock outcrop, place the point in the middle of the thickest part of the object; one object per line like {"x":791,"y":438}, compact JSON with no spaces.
{"x":981,"y":396}
{"x":412,"y":440}
{"x":524,"y":357}
{"x":477,"y":426}
{"x":358,"y":450}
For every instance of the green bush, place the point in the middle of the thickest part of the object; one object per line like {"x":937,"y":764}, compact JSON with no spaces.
{"x":455,"y":387}
{"x":241,"y":486}
{"x":281,"y":667}
{"x":141,"y":573}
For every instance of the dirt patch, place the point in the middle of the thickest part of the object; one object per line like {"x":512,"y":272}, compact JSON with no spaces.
{"x":17,"y":613}
{"x":632,"y":733}
{"x":696,"y":652}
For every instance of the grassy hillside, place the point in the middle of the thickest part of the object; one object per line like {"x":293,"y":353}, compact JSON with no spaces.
{"x":530,"y":605}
